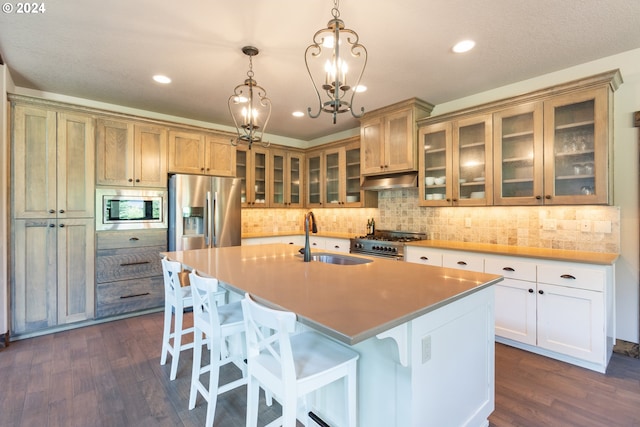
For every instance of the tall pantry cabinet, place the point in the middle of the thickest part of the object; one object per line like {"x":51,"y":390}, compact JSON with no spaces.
{"x":53,"y":226}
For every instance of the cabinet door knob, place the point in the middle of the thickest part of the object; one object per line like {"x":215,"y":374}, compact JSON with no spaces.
{"x":130,"y":180}
{"x":51,"y":225}
{"x":61,"y":210}
{"x":538,"y":197}
{"x":530,"y":290}
{"x":52,"y":211}
{"x":61,"y":226}
{"x":548,"y":197}
{"x":137,"y":180}
{"x":541,"y":292}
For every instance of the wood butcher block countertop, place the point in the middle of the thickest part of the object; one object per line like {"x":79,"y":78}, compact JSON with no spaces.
{"x":348,"y":302}
{"x":602,"y":258}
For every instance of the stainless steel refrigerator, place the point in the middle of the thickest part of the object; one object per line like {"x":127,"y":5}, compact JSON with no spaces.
{"x":204,"y":212}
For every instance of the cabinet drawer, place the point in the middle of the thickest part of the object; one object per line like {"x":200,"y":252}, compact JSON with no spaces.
{"x":131,"y":239}
{"x":129,"y":295}
{"x":338,"y":245}
{"x":510,"y":268}
{"x":463,"y":261}
{"x":423,"y":256}
{"x":125,"y":264}
{"x":570,"y":276}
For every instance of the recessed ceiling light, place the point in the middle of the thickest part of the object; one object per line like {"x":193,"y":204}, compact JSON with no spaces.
{"x":297,"y":114}
{"x":464,"y":46}
{"x":162,"y":79}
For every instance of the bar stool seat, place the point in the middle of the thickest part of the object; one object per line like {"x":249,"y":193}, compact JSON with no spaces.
{"x":291,"y":365}
{"x":176,"y":299}
{"x":223,"y":326}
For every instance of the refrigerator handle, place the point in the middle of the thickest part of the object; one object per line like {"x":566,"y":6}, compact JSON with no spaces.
{"x":207,"y":219}
{"x":214,"y":232}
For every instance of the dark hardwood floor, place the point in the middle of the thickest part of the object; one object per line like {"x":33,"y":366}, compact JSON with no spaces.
{"x":110,"y":375}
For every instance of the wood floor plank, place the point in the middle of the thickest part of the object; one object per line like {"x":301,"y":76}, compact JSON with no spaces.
{"x":110,"y":375}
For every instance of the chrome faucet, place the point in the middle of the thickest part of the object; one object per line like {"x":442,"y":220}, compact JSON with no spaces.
{"x":309,"y":217}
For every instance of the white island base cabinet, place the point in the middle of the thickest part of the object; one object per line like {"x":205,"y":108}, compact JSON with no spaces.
{"x":433,"y":371}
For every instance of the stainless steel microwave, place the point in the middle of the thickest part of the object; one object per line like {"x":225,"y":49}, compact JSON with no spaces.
{"x":129,"y":209}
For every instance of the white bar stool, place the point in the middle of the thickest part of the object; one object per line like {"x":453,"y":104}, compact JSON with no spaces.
{"x":290,"y":365}
{"x":218,"y":324}
{"x":176,"y":298}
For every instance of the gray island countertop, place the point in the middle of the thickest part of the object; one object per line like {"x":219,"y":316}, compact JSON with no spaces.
{"x":350,"y":303}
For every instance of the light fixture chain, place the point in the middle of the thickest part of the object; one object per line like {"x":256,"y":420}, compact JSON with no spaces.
{"x":335,"y":10}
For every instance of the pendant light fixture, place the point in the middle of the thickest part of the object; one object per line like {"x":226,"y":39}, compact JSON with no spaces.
{"x":334,"y":53}
{"x":250,"y":107}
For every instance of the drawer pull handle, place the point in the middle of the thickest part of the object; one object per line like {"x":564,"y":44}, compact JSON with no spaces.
{"x":125,"y":264}
{"x":461,"y":263}
{"x":133,"y":239}
{"x":134,"y":295}
{"x":508,"y":269}
{"x":424,"y":258}
{"x":568,"y":276}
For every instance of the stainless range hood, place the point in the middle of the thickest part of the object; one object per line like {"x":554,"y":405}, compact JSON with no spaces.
{"x":390,"y":181}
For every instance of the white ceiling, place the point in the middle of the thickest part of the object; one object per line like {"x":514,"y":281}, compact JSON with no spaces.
{"x":108,"y":50}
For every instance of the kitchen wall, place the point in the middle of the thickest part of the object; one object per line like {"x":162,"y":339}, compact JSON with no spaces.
{"x":558,"y":227}
{"x":283,"y":221}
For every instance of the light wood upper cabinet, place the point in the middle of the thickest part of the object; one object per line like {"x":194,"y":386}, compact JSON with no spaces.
{"x":201,"y":153}
{"x":131,"y":154}
{"x":456,"y":162}
{"x":252,"y":168}
{"x":518,"y":155}
{"x":576,"y":148}
{"x":53,"y":174}
{"x":388,"y":137}
{"x":286,"y":178}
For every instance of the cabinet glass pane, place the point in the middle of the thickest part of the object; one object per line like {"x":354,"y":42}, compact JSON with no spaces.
{"x":277,"y":192}
{"x":472,"y":161}
{"x":260,"y":174}
{"x":294,"y":183}
{"x":574,"y":149}
{"x":517,"y":156}
{"x":314,"y":180}
{"x":241,"y":172}
{"x":353,"y":175}
{"x":435,"y":164}
{"x":333,"y":178}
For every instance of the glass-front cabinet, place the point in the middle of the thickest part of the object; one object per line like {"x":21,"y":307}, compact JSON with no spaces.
{"x":576,"y":148}
{"x":286,"y":179}
{"x":518,"y":155}
{"x":251,"y":168}
{"x":333,"y":177}
{"x":314,"y":179}
{"x":456,"y":163}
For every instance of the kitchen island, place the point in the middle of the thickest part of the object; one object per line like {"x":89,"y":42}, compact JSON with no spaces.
{"x":425,"y":334}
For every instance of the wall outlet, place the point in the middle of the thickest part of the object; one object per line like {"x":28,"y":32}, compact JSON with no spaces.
{"x":467,"y":222}
{"x":549,"y":224}
{"x":426,"y":349}
{"x":602,"y":226}
{"x":585,"y":226}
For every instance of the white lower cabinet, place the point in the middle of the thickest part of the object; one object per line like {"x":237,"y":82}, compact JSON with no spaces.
{"x":563,"y":310}
{"x":315,"y":242}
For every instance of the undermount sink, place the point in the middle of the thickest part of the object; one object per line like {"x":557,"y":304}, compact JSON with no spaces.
{"x":338,"y":259}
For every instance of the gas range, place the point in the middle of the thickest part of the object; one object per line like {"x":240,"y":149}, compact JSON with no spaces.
{"x":384,"y":243}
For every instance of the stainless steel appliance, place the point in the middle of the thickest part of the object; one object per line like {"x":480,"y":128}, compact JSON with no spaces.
{"x":384,"y":243}
{"x":204,"y":212}
{"x":129,"y":209}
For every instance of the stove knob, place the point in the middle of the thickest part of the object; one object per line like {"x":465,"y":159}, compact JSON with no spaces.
{"x":395,"y":250}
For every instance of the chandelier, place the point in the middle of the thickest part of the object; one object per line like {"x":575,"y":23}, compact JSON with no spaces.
{"x":249,"y":106}
{"x":331,"y":46}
